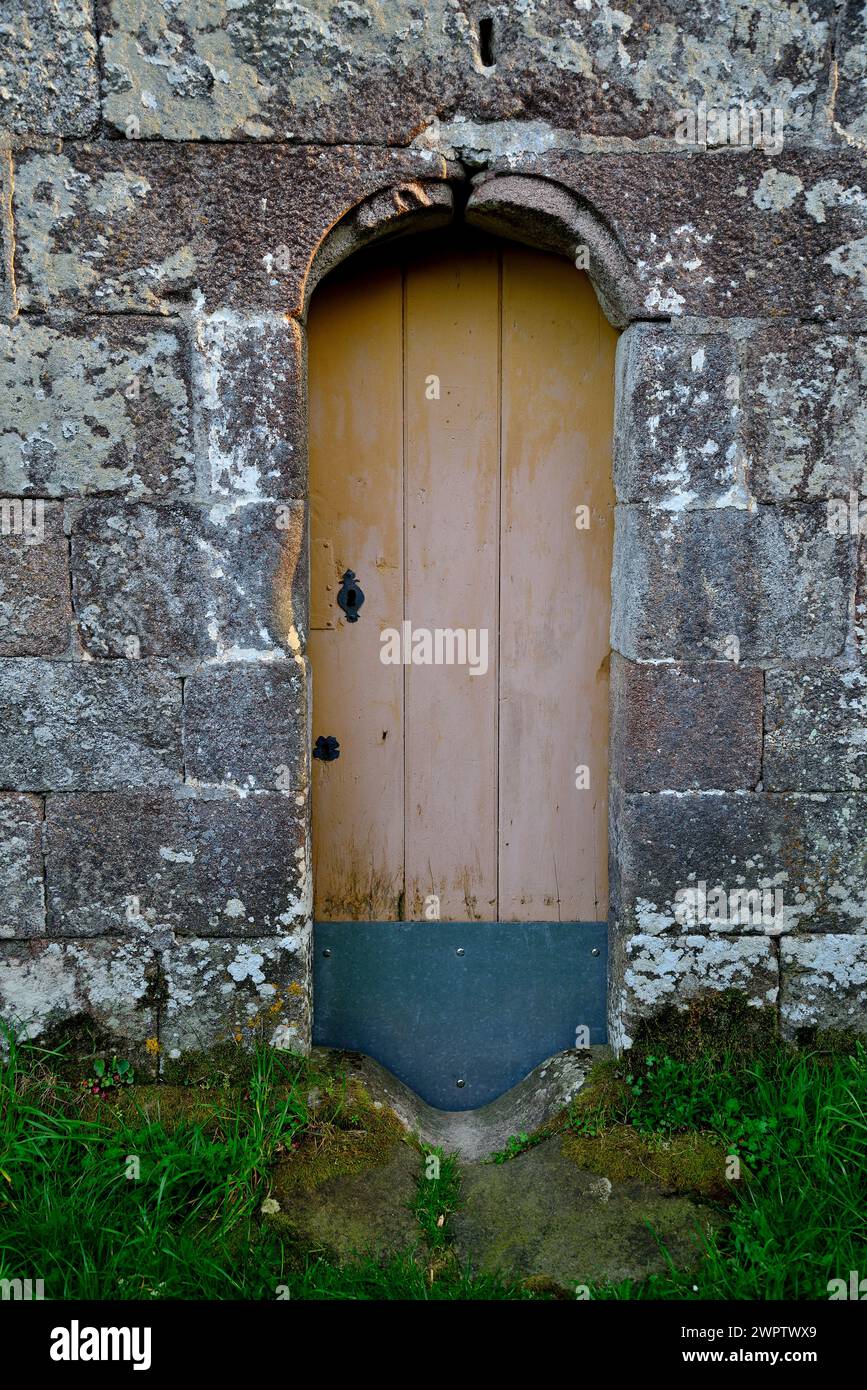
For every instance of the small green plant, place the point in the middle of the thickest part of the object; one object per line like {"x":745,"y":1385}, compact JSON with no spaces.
{"x":589,"y":1121}
{"x":107,"y":1078}
{"x":669,"y":1095}
{"x":516,"y":1144}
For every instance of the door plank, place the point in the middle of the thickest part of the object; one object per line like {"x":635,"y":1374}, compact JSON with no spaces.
{"x":558,"y":406}
{"x":354,"y":352}
{"x":452,"y":505}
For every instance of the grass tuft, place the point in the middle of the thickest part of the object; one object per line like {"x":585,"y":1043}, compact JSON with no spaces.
{"x":156,"y":1192}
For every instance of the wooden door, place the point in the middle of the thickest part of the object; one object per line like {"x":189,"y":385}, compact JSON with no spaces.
{"x":461,"y":410}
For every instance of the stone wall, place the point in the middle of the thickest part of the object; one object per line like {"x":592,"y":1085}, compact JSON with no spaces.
{"x":175,"y":179}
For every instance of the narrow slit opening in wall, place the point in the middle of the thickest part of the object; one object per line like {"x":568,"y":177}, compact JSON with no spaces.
{"x":486,"y":42}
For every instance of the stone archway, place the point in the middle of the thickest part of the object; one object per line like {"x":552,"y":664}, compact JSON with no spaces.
{"x":534,"y":212}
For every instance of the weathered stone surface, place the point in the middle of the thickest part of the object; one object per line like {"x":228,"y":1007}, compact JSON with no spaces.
{"x":249,"y":376}
{"x":88,"y":726}
{"x":245,"y":725}
{"x":381,"y":72}
{"x":810,"y":848}
{"x":649,"y":972}
{"x":219,"y":991}
{"x":151,"y":865}
{"x":677,"y":415}
{"x":475,"y":1134}
{"x":540,"y":1214}
{"x":50,"y":982}
{"x":816,"y":729}
{"x":49,"y":84}
{"x":7,"y":297}
{"x":850,"y":108}
{"x":731,"y":233}
{"x":357,"y":1214}
{"x":401,"y":209}
{"x":860,"y":614}
{"x":545,"y":215}
{"x":685,"y":726}
{"x":804,"y":399}
{"x":190,"y":582}
{"x":95,"y":405}
{"x":824,"y":983}
{"x":22,"y":904}
{"x":729,"y":446}
{"x":124,"y":227}
{"x":35,"y":608}
{"x":686,"y":583}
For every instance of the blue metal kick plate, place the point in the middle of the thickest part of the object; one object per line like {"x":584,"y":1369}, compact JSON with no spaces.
{"x":439,"y":1003}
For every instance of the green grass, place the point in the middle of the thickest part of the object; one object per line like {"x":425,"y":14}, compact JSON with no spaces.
{"x":798,"y":1124}
{"x":190,"y":1227}
{"x":438,"y":1197}
{"x":184,"y":1228}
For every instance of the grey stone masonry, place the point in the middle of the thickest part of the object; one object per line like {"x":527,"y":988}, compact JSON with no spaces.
{"x":189,"y":582}
{"x":175,"y":180}
{"x":22,"y":889}
{"x":35,"y":603}
{"x":49,"y":79}
{"x":328,"y":73}
{"x":89,"y":726}
{"x":149,"y":865}
{"x":95,"y":405}
{"x":244,"y":725}
{"x":685,"y":726}
{"x":766,"y":584}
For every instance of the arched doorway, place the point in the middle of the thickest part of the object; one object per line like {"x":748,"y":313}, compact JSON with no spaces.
{"x":461,"y":410}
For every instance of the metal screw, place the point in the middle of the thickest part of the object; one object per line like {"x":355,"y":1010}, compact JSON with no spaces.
{"x":595,"y":951}
{"x":459,"y":951}
{"x":460,"y":1082}
{"x":326,"y":952}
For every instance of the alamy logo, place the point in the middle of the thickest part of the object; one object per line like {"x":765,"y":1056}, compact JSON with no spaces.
{"x":855,"y":1289}
{"x":23,"y":518}
{"x":749,"y":127}
{"x":22,"y":1289}
{"x":76,"y":1343}
{"x":846,"y":518}
{"x":439,"y":646}
{"x":741,"y":907}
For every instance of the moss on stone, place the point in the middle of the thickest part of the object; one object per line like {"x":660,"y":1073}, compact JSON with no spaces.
{"x":348,"y":1133}
{"x":542,"y":1286}
{"x":363,"y":1214}
{"x":172,"y":1107}
{"x":603,"y":1092}
{"x":693,"y":1162}
{"x":231,"y":1064}
{"x":77,"y":1040}
{"x":542,"y":1214}
{"x":831,"y":1042}
{"x":709,"y":1025}
{"x":225,"y":1064}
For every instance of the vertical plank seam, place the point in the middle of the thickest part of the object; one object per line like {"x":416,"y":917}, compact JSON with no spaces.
{"x":403,"y":558}
{"x":499,"y":543}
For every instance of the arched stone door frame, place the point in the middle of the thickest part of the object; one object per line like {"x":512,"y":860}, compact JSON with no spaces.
{"x":536,"y":212}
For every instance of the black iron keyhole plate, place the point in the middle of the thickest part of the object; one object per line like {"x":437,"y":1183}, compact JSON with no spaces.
{"x":350,"y":597}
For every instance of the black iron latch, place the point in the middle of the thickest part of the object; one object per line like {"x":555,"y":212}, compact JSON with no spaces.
{"x":350,"y":597}
{"x":326,"y":749}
